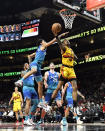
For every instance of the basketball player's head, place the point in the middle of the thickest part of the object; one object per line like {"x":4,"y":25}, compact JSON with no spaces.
{"x":52,"y":66}
{"x":40,"y":42}
{"x":16,"y":88}
{"x":66,"y":42}
{"x":26,"y":66}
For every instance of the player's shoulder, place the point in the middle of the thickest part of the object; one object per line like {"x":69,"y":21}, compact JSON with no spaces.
{"x":42,"y":47}
{"x":19,"y":93}
{"x":67,"y":84}
{"x":47,"y":73}
{"x":13,"y":92}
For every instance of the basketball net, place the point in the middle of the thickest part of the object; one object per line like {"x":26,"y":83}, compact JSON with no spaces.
{"x":68,"y":16}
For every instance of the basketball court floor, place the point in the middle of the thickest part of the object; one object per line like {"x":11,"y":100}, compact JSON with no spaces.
{"x":53,"y":127}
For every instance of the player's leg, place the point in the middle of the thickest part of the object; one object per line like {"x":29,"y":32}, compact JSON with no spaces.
{"x":69,"y":106}
{"x":34,"y":103}
{"x":43,"y":113}
{"x":74,"y":94}
{"x":39,"y":80}
{"x":67,"y":112}
{"x":40,"y":89}
{"x":15,"y":109}
{"x":27,"y":108}
{"x":77,"y":118}
{"x":32,"y":71}
{"x":21,"y":115}
{"x":59,"y":104}
{"x":27,"y":99}
{"x":56,"y":91}
{"x":20,"y":111}
{"x":33,"y":67}
{"x":32,"y":110}
{"x":16,"y":113}
{"x":64,"y":120}
{"x":17,"y":118}
{"x":73,"y":82}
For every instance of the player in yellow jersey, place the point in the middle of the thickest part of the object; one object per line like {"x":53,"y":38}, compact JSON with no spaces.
{"x":17,"y":102}
{"x":67,"y":69}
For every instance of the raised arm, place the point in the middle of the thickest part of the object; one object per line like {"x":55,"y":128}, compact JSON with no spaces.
{"x":80,"y":94}
{"x":30,"y":57}
{"x":22,"y":73}
{"x":57,"y":39}
{"x":45,"y":79}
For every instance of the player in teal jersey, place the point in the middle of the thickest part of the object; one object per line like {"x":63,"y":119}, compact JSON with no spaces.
{"x":68,"y":89}
{"x":51,"y":78}
{"x":30,"y":96}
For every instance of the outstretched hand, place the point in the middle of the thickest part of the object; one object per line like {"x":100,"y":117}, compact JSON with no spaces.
{"x":63,"y":34}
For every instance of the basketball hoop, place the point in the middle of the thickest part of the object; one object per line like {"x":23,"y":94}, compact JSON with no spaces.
{"x":68,"y":16}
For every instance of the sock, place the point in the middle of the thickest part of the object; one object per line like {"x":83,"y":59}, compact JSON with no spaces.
{"x":41,"y":100}
{"x":30,"y":115}
{"x":76,"y":117}
{"x":26,"y":118}
{"x":64,"y":118}
{"x":50,"y":103}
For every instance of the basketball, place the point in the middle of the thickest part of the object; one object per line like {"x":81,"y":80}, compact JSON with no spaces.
{"x":56,"y":28}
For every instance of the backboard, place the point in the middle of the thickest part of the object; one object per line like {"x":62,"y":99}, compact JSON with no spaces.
{"x":90,"y":5}
{"x":80,"y":9}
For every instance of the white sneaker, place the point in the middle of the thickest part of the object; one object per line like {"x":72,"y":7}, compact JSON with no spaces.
{"x":40,"y":122}
{"x":31,"y":121}
{"x":79,"y":121}
{"x":19,"y":83}
{"x":28,"y":123}
{"x":42,"y":105}
{"x":47,"y":108}
{"x":25,"y":122}
{"x":64,"y":122}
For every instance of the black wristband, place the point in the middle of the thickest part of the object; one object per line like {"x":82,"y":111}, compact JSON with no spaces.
{"x":58,"y":40}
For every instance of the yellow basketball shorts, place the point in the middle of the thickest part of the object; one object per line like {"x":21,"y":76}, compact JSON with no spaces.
{"x":67,"y":73}
{"x":16,"y":106}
